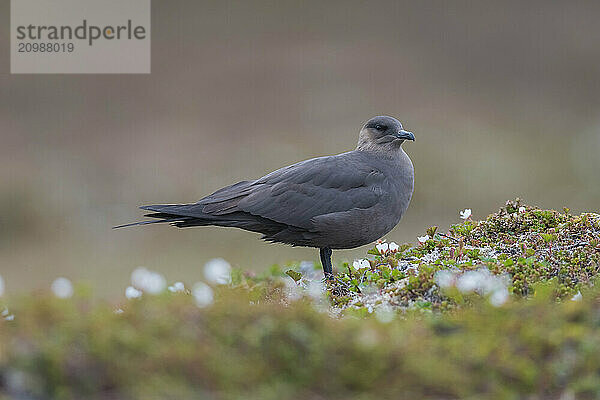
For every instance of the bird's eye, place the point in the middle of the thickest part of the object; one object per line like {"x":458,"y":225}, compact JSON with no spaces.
{"x":380,"y":127}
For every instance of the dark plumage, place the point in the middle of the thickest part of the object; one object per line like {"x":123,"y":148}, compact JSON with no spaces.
{"x":332,"y":202}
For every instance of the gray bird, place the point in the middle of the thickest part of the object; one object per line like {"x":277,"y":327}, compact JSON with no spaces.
{"x":332,"y":202}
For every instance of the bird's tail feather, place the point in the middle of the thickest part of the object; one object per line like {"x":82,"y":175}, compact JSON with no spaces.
{"x":161,"y":216}
{"x":158,"y":221}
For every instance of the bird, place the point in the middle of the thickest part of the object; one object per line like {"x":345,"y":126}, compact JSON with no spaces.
{"x":333,"y":202}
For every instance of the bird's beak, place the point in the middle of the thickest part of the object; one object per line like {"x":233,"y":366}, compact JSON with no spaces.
{"x":405,"y":135}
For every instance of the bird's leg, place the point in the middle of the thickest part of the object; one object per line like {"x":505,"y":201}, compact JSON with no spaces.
{"x":325,"y":253}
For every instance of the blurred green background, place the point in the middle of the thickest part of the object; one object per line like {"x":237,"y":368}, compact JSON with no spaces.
{"x":504,"y":99}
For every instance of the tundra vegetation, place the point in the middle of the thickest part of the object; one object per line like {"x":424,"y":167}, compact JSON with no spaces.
{"x":506,"y":307}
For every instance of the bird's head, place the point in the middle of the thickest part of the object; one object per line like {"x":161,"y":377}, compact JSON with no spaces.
{"x":383,"y":133}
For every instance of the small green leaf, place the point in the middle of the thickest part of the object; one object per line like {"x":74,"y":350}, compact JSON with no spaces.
{"x":295,"y":275}
{"x":548,"y":237}
{"x":397,"y":275}
{"x":373,"y":251}
{"x":431,"y":231}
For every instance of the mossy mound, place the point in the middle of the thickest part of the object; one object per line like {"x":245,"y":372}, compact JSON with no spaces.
{"x":484,"y":312}
{"x":165,"y":347}
{"x":510,"y":252}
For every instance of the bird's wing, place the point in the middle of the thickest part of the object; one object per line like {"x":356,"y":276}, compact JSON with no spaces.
{"x":296,"y":194}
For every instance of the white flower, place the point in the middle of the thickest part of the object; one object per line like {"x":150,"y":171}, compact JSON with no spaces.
{"x":470,"y":281}
{"x":358,"y":264}
{"x":445,"y":279}
{"x":382,"y":248}
{"x":394,"y":247}
{"x":132,"y":293}
{"x":423,"y":239}
{"x":1,"y":286}
{"x":118,"y":311}
{"x":217,"y":271}
{"x":316,"y":289}
{"x":522,"y":209}
{"x":577,"y":297}
{"x":203,"y":294}
{"x":466,"y":213}
{"x":384,"y":314}
{"x":485,"y":283}
{"x":293,"y":290}
{"x":7,"y":315}
{"x":62,"y":288}
{"x":306,"y":267}
{"x":177,"y":287}
{"x":499,"y":297}
{"x":148,"y":281}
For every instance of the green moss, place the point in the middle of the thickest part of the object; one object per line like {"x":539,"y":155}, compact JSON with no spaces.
{"x":523,"y":243}
{"x":166,"y":347}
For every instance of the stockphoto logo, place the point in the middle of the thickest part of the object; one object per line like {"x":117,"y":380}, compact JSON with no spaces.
{"x":80,"y":36}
